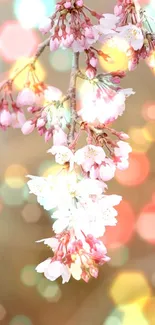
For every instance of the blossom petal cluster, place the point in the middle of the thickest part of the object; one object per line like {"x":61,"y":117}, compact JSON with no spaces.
{"x":77,"y":197}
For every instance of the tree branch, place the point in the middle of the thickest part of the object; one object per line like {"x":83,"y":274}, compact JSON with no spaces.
{"x":72,"y":94}
{"x":32,"y":62}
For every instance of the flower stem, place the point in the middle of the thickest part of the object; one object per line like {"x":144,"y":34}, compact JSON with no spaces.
{"x":72,"y":94}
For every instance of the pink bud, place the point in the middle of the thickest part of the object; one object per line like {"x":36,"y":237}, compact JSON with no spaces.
{"x":28,"y":127}
{"x":54,"y":44}
{"x":45,"y":25}
{"x":5,"y":118}
{"x":91,"y":73}
{"x":40,"y":123}
{"x":123,"y":136}
{"x":79,"y":3}
{"x":93,"y":271}
{"x":26,"y":97}
{"x":48,"y":136}
{"x":93,"y":62}
{"x":67,"y":4}
{"x":85,"y":276}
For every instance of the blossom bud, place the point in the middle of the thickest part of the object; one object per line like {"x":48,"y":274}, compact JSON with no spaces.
{"x":123,"y":136}
{"x":85,"y":276}
{"x":40,"y":123}
{"x":93,"y":62}
{"x":79,"y":3}
{"x":48,"y":136}
{"x":28,"y":127}
{"x":93,"y":271}
{"x":67,"y":4}
{"x":5,"y":117}
{"x":26,"y":97}
{"x":91,"y":73}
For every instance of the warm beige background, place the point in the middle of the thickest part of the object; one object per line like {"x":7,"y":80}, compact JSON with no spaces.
{"x":80,"y":303}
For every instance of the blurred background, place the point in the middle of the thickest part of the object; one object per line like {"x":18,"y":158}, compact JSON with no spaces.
{"x":124,"y":292}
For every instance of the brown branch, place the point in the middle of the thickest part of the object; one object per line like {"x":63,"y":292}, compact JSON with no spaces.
{"x":72,"y":94}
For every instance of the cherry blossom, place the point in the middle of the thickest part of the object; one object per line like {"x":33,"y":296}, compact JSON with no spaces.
{"x":62,"y":155}
{"x":53,"y":270}
{"x":88,"y":156}
{"x":132,"y":35}
{"x":121,"y":154}
{"x":105,"y":105}
{"x":77,"y":195}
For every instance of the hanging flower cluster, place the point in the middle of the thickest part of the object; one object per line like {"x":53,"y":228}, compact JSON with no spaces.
{"x":76,"y":196}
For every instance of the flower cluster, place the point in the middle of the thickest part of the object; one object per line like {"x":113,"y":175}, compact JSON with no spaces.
{"x":76,"y":197}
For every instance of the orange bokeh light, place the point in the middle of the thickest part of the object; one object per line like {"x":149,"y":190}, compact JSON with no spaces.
{"x":146,"y":223}
{"x":123,"y":231}
{"x":137,"y":172}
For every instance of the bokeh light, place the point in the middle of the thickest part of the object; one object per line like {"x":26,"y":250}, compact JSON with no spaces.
{"x":146,"y":223}
{"x":20,"y":320}
{"x":30,"y":12}
{"x":15,"y":176}
{"x":130,"y":288}
{"x":126,"y":315}
{"x":118,"y":60}
{"x":138,"y":140}
{"x":12,"y":196}
{"x":148,"y":111}
{"x":22,"y":77}
{"x":16,"y":42}
{"x":150,"y":131}
{"x":119,"y":255}
{"x":149,"y":310}
{"x":29,"y":276}
{"x":49,"y":290}
{"x":124,"y":230}
{"x":137,"y":171}
{"x":61,"y":60}
{"x":31,"y":213}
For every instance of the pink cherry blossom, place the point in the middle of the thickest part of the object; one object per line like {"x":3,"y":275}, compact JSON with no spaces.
{"x":107,"y":170}
{"x":133,"y":36}
{"x":26,"y":97}
{"x":104,"y":105}
{"x":59,"y":137}
{"x":53,"y":270}
{"x":62,"y":155}
{"x":121,"y":153}
{"x":88,"y":156}
{"x":52,"y":94}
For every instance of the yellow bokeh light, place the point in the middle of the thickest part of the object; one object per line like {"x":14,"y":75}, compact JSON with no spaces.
{"x":150,"y":131}
{"x":133,"y":315}
{"x":138,"y":140}
{"x":22,"y":77}
{"x":149,"y":311}
{"x":15,"y":176}
{"x":118,"y":59}
{"x":130,"y":287}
